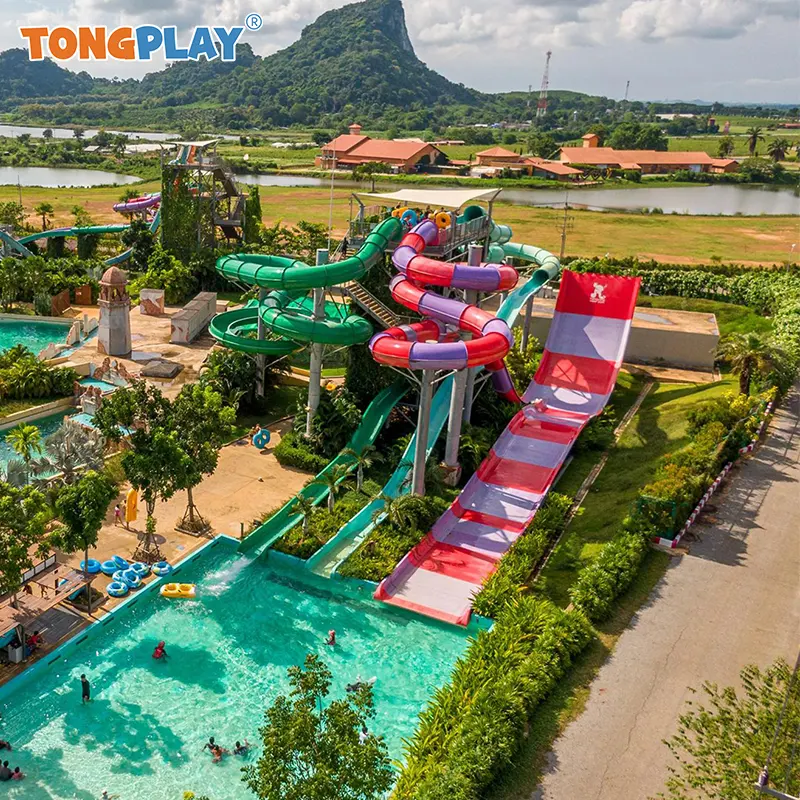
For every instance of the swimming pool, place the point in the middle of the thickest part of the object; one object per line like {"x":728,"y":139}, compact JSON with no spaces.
{"x":143,"y":733}
{"x":35,"y":335}
{"x":46,"y":425}
{"x":104,"y":386}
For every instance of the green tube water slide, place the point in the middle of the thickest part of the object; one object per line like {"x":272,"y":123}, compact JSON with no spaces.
{"x":373,"y":419}
{"x":286,"y":312}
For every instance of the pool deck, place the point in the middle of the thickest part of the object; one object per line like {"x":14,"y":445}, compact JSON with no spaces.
{"x":149,"y":336}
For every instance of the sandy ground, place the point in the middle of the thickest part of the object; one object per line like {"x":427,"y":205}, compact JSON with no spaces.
{"x":732,"y":600}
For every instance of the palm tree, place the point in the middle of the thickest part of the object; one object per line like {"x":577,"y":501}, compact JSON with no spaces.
{"x":14,"y":473}
{"x":364,"y":459}
{"x":749,"y":356}
{"x":25,"y":440}
{"x":396,"y":510}
{"x":778,"y":148}
{"x":303,"y":505}
{"x":70,"y":449}
{"x":754,"y":136}
{"x":332,"y":479}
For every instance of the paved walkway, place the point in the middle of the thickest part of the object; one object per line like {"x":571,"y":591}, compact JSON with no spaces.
{"x":731,"y":601}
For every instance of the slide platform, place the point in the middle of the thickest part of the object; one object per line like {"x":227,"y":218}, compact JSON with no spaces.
{"x":576,"y":376}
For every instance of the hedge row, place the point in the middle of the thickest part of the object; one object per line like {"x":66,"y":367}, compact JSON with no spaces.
{"x":291,"y":451}
{"x":718,"y":428}
{"x":525,"y":554}
{"x":473,"y":727}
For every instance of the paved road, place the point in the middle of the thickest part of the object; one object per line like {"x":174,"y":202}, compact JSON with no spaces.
{"x":731,"y":601}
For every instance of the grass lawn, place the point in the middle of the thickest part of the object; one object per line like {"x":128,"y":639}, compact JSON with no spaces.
{"x":664,"y":237}
{"x":660,"y":427}
{"x":568,"y":700}
{"x":281,"y":401}
{"x":730,"y":317}
{"x":8,"y":407}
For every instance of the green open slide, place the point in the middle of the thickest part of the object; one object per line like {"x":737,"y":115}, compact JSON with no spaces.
{"x":286,"y":312}
{"x":373,"y":419}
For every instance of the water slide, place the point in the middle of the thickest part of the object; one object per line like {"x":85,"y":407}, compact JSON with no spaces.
{"x":579,"y":366}
{"x":333,"y":553}
{"x":136,"y":204}
{"x":286,"y":312}
{"x":372,"y":421}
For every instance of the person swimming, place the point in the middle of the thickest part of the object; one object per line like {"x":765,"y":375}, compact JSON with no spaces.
{"x":241,"y":749}
{"x":359,"y":684}
{"x":160,"y":652}
{"x":331,"y":642}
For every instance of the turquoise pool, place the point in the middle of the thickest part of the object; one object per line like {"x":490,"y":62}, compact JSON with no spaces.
{"x":34,"y":335}
{"x":104,"y":386}
{"x":46,"y":426}
{"x":142,"y":735}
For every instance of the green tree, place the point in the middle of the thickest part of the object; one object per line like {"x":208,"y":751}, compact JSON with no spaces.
{"x":203,"y":424}
{"x":69,"y":450}
{"x":140,"y":240}
{"x":749,"y":356}
{"x":45,"y":211}
{"x":332,"y":479}
{"x":78,"y":132}
{"x":723,"y":743}
{"x":82,"y":507}
{"x":754,"y":136}
{"x":725,"y":146}
{"x":12,"y":214}
{"x":398,"y":510}
{"x":25,"y":440}
{"x":154,"y":463}
{"x":363,"y":459}
{"x":252,"y":215}
{"x":542,"y":145}
{"x":47,"y":134}
{"x":23,"y":514}
{"x":778,"y":148}
{"x":522,"y":365}
{"x":314,"y":752}
{"x":305,"y":507}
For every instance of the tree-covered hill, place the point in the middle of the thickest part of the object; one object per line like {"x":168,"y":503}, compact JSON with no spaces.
{"x":22,"y":79}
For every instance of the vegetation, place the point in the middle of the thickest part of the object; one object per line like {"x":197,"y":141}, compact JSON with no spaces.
{"x":23,"y":376}
{"x":726,"y":737}
{"x":81,"y":507}
{"x":232,"y":375}
{"x":749,"y":357}
{"x":23,"y":514}
{"x":68,"y":451}
{"x":473,"y":727}
{"x":316,"y":751}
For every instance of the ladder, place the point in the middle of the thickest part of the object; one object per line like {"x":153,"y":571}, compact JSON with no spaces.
{"x":374,"y":307}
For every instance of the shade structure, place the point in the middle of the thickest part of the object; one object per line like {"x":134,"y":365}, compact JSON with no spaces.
{"x":452,"y":199}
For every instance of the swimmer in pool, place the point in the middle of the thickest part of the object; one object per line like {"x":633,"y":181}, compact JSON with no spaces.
{"x":160,"y":652}
{"x":331,"y":642}
{"x":241,"y":749}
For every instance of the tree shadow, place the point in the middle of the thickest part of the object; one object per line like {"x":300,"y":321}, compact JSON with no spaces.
{"x":34,"y":787}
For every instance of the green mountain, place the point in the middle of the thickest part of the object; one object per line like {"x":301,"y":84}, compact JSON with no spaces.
{"x":358,"y":58}
{"x":21,"y":78}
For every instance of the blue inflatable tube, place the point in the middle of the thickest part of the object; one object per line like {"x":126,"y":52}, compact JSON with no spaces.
{"x":132,"y":579}
{"x":117,"y":589}
{"x":109,"y":567}
{"x":142,"y":570}
{"x":161,"y":568}
{"x":261,"y":439}
{"x":92,"y":566}
{"x":409,"y":217}
{"x":120,"y":562}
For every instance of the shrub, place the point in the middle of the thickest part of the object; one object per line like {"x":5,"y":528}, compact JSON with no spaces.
{"x":336,"y":418}
{"x":598,"y":434}
{"x":516,"y":566}
{"x":293,"y":451}
{"x":23,"y":376}
{"x":609,"y":575}
{"x":473,"y":727}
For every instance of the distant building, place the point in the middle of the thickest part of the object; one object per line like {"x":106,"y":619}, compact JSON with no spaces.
{"x":493,"y":161}
{"x":353,"y":149}
{"x":647,"y":161}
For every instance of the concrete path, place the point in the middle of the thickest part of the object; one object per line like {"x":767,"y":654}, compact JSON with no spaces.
{"x":731,"y":601}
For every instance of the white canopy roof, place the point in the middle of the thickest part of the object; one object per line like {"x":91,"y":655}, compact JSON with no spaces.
{"x":435,"y":198}
{"x":203,"y":143}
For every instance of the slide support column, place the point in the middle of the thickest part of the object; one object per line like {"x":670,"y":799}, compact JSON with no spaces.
{"x":315,"y":365}
{"x":423,"y":427}
{"x":471,"y":296}
{"x":261,"y":358}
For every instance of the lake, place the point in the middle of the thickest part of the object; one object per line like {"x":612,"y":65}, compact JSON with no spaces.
{"x":52,"y":177}
{"x":66,"y":133}
{"x":693,"y":200}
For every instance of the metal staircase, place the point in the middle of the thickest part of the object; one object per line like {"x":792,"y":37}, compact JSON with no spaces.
{"x":374,"y":307}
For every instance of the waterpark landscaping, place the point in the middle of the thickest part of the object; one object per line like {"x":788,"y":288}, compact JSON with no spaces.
{"x":477,"y":568}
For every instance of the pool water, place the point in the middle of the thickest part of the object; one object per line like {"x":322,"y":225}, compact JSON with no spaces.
{"x":143,"y":733}
{"x":46,"y":425}
{"x":104,"y":386}
{"x":34,"y":335}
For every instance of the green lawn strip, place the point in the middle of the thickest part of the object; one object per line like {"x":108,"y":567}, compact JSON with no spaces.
{"x":659,"y":427}
{"x":9,"y":407}
{"x":280,"y":402}
{"x":568,"y":700}
{"x":731,"y":318}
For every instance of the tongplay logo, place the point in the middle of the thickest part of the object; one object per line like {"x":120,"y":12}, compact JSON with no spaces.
{"x":130,"y":44}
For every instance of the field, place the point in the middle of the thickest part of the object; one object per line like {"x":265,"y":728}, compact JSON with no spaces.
{"x":679,"y":239}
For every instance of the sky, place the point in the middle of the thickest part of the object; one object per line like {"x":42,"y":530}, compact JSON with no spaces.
{"x":726,"y":50}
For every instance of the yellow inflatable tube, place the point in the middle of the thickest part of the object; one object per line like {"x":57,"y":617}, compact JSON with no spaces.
{"x":185,"y":590}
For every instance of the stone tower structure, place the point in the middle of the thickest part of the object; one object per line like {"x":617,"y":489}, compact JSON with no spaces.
{"x":114,"y":332}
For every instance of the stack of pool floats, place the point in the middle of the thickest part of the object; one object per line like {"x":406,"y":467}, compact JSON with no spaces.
{"x":124,"y":576}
